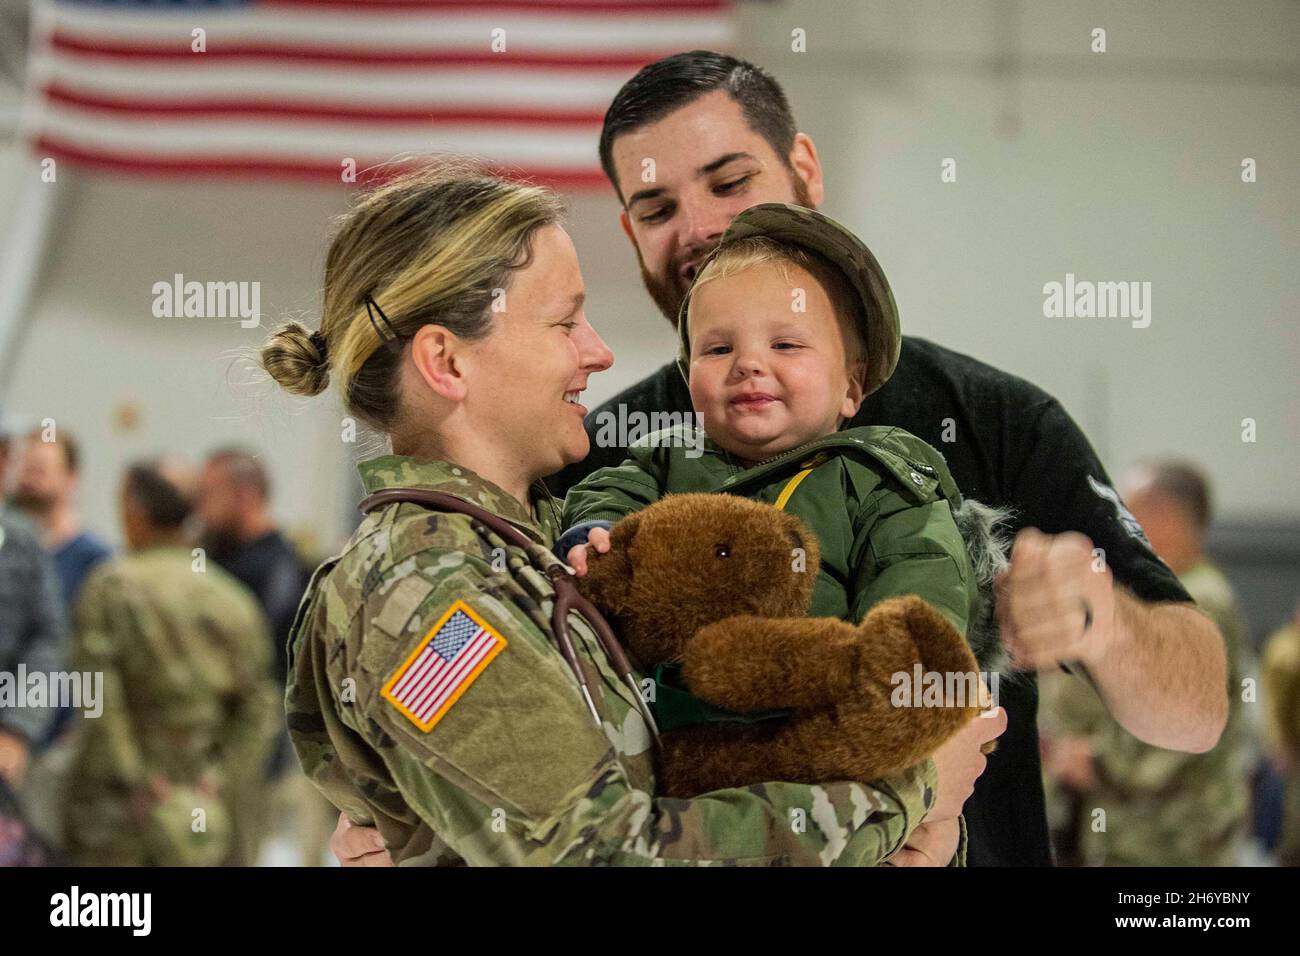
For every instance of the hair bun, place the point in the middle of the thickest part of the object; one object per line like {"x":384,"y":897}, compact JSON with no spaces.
{"x":298,"y":359}
{"x":317,"y":339}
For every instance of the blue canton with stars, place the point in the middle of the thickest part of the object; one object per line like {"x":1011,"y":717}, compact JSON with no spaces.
{"x":454,"y":635}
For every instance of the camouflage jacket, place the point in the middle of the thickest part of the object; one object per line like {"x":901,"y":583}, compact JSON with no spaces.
{"x":1281,"y":680}
{"x":510,"y":768}
{"x":185,"y":655}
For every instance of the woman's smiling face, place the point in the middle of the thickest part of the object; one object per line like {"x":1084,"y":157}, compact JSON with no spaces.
{"x":764,"y":376}
{"x":537,"y":359}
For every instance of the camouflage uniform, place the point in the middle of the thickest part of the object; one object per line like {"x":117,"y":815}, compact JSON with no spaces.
{"x":1163,"y":807}
{"x":187,"y":696}
{"x":514,"y":772}
{"x":1282,"y":690}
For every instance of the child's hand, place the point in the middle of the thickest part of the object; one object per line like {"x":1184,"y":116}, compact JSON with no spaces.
{"x":598,"y":539}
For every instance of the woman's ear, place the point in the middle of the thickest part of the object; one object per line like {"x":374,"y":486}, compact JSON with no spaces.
{"x":436,"y":353}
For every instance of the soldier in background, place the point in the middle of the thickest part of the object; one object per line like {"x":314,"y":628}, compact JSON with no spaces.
{"x":161,"y":777}
{"x":1162,"y":808}
{"x":1282,"y":694}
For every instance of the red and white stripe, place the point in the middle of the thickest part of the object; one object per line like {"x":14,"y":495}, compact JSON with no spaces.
{"x":430,"y":681}
{"x":290,"y":87}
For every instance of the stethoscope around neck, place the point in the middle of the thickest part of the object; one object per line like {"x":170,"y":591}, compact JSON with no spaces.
{"x":567,"y":596}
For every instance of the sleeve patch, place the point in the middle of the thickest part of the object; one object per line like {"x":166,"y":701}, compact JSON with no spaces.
{"x":446,"y":661}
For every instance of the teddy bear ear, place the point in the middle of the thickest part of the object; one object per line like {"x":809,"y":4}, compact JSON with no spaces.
{"x":608,"y":581}
{"x":625,"y":529}
{"x":801,"y":538}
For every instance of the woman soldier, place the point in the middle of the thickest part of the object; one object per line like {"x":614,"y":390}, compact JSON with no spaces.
{"x":427,"y":695}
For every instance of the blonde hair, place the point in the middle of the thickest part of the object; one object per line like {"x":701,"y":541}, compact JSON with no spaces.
{"x":736,"y":257}
{"x":431,"y":247}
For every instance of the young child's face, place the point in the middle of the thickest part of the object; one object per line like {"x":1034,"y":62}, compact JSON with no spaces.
{"x":764,"y":377}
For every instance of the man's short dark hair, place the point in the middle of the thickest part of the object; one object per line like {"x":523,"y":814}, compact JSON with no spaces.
{"x":165,"y":505}
{"x":667,"y":85}
{"x":66,"y":441}
{"x":1184,"y":484}
{"x":245,"y":468}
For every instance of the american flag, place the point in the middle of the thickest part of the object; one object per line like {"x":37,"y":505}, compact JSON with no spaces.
{"x":316,"y":88}
{"x":442,"y":667}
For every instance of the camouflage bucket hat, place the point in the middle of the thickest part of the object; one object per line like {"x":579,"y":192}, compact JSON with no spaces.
{"x":810,"y":230}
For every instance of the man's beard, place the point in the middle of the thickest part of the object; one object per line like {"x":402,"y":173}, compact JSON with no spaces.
{"x":221,"y":541}
{"x":32,"y":502}
{"x":668,"y":291}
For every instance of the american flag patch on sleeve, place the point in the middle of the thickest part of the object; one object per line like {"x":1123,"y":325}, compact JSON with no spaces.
{"x":442,"y":666}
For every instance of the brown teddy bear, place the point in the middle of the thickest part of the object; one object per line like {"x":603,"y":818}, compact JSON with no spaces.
{"x":713,"y":583}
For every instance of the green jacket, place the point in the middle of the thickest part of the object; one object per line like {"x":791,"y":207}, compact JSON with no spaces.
{"x":514,"y":770}
{"x":879,"y":499}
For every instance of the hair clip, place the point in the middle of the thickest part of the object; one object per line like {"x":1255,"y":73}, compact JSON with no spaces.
{"x":392,"y":335}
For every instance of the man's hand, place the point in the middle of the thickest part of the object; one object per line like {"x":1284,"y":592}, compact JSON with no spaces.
{"x":959,"y":762}
{"x":145,"y":796}
{"x":13,"y":758}
{"x":355,"y":845}
{"x":933,"y":843}
{"x":1070,"y":760}
{"x":1160,"y":667}
{"x":1056,"y":601}
{"x":597,"y":538}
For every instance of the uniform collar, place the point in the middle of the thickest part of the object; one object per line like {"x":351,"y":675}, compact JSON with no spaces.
{"x":403,"y":471}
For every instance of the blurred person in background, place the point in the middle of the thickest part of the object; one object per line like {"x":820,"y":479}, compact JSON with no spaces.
{"x":1282,"y":695}
{"x":1162,"y":808}
{"x":33,"y":631}
{"x":46,"y":491}
{"x":189,"y":706}
{"x":239,"y":532}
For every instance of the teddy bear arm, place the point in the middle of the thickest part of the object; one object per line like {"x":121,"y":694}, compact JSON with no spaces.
{"x":747,"y":663}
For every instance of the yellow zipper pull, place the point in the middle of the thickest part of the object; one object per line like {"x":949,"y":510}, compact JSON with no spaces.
{"x":793,"y":483}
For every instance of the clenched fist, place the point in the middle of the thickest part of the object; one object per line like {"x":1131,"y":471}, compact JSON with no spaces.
{"x":1056,"y":602}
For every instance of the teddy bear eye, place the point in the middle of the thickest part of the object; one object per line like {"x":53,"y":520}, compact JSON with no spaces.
{"x":722,"y":550}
